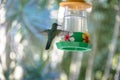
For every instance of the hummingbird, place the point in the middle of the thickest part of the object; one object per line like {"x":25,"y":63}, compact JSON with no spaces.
{"x":51,"y":34}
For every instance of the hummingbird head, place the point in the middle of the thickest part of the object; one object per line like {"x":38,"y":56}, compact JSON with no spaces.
{"x":54,"y":26}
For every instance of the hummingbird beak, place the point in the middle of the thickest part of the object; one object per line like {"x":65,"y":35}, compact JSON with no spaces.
{"x":59,"y":25}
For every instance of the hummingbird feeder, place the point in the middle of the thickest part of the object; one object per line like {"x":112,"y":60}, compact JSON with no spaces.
{"x":75,"y":22}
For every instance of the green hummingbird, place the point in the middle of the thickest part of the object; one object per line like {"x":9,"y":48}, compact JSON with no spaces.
{"x":51,"y":34}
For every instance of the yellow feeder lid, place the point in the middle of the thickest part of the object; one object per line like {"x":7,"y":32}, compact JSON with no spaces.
{"x":75,"y":4}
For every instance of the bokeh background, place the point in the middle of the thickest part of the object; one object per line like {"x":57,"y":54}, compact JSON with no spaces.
{"x":22,"y":46}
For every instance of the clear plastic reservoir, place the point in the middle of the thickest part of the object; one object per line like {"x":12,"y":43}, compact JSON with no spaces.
{"x":75,"y":20}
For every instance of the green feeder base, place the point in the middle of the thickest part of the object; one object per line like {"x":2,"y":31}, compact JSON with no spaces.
{"x":74,"y":46}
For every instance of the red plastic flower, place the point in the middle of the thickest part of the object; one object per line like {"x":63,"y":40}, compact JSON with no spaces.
{"x":86,"y":37}
{"x":67,"y":37}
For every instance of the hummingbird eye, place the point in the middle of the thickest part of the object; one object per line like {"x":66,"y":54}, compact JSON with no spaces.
{"x":55,"y":24}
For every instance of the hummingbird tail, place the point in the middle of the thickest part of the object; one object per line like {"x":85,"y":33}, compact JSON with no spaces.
{"x":48,"y":45}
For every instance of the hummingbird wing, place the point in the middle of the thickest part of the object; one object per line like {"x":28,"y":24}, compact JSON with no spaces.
{"x":45,"y":32}
{"x":58,"y":32}
{"x":61,"y":32}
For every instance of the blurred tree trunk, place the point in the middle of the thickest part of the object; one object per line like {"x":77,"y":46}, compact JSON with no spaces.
{"x":113,"y":44}
{"x":3,"y":66}
{"x":75,"y":66}
{"x":117,"y":75}
{"x":91,"y":60}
